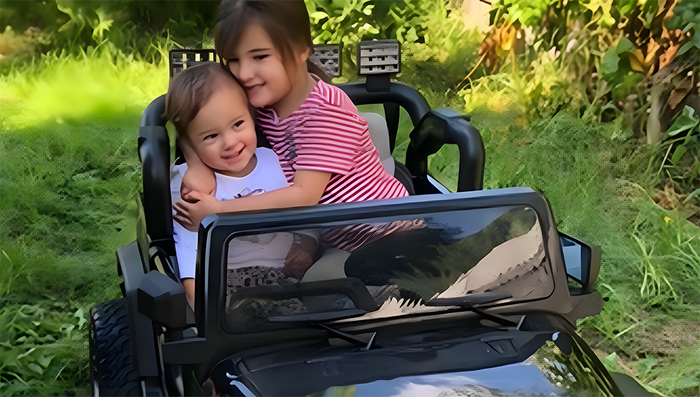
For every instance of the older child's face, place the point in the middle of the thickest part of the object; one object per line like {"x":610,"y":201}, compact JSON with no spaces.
{"x":259,"y":66}
{"x":223,"y":132}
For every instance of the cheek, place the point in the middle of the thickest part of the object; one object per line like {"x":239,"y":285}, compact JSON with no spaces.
{"x":233,"y":68}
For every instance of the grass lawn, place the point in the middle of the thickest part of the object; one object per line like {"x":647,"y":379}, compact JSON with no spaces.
{"x":70,"y":175}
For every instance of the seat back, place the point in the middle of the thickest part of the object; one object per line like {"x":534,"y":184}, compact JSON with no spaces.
{"x":379,"y":132}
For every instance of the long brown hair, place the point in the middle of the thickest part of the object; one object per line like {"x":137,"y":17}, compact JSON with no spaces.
{"x":285,"y":21}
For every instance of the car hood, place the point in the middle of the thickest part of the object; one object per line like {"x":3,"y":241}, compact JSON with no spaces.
{"x":428,"y":363}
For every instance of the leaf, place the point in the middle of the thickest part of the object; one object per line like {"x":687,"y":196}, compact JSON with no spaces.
{"x":645,"y":365}
{"x":687,"y":382}
{"x":695,"y":193}
{"x":45,"y":360}
{"x":610,"y":63}
{"x":318,"y":16}
{"x":693,"y":42}
{"x":610,"y":362}
{"x":685,"y":122}
{"x":81,"y":317}
{"x":624,"y":45}
{"x":36,"y":368}
{"x":678,"y":154}
{"x":411,"y":35}
{"x":101,"y":25}
{"x":637,"y":60}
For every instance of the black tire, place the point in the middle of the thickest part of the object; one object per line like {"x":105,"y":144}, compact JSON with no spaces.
{"x":111,"y":368}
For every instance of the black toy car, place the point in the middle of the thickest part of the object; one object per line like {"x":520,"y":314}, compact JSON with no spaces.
{"x":450,"y":294}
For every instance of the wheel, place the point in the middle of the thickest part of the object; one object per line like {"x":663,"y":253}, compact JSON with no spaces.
{"x":111,"y":369}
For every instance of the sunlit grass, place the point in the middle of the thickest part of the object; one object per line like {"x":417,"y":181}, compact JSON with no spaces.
{"x":59,"y":89}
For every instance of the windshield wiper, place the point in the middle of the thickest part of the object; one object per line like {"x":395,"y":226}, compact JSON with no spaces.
{"x":365,"y":344}
{"x":469,"y":301}
{"x":317,"y":319}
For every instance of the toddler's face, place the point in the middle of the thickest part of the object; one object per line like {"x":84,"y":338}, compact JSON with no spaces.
{"x":223,"y":132}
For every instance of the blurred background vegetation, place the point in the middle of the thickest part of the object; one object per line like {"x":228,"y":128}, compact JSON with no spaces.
{"x":594,"y":103}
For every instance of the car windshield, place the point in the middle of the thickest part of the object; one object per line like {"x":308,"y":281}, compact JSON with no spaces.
{"x":384,"y":267}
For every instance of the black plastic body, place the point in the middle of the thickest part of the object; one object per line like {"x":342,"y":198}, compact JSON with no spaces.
{"x":217,"y":229}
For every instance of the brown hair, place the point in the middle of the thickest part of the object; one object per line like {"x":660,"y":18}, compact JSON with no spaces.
{"x":285,"y":21}
{"x":189,"y":90}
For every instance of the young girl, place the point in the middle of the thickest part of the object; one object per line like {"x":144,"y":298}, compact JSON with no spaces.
{"x":322,"y":142}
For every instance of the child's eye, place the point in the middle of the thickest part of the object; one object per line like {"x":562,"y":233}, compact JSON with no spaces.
{"x":238,"y":124}
{"x":261,"y":57}
{"x":210,"y":136}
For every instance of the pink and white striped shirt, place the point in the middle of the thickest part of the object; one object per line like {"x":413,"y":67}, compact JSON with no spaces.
{"x":327,"y":134}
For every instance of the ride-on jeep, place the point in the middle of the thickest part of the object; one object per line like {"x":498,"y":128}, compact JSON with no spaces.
{"x":449,"y":294}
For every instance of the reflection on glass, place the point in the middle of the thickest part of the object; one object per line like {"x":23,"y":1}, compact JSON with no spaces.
{"x":566,"y":366}
{"x":550,"y":370}
{"x":488,"y":254}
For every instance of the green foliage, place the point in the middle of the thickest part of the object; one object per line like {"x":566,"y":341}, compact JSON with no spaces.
{"x":676,"y":159}
{"x":39,"y":345}
{"x":623,"y":43}
{"x":428,"y":31}
{"x":520,"y":13}
{"x":686,"y":123}
{"x":88,"y":27}
{"x":8,"y":273}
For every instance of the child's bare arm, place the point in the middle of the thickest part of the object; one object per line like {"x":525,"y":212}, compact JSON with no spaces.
{"x":300,"y":256}
{"x":198,"y":177}
{"x":188,"y":284}
{"x":307,"y":189}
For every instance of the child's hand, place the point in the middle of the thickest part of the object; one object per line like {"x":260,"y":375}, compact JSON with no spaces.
{"x":197,"y":179}
{"x":300,"y":256}
{"x":190,"y":214}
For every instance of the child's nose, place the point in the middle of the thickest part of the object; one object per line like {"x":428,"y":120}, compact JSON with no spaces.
{"x":245,"y":71}
{"x":230,"y":141}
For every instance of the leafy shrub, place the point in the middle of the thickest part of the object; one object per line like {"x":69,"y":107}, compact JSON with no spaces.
{"x":41,"y":345}
{"x":427,"y":30}
{"x":614,"y":50}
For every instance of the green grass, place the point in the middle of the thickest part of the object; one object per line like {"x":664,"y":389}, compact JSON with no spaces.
{"x":70,"y":173}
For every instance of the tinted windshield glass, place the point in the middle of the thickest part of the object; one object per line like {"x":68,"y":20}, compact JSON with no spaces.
{"x":383,"y":267}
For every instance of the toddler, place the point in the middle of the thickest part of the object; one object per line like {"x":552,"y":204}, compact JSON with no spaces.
{"x":213,"y":123}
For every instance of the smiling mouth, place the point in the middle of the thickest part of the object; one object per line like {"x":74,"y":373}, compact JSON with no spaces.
{"x":253,"y":87}
{"x":233,"y":157}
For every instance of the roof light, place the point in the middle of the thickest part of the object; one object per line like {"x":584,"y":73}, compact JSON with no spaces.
{"x":378,"y":57}
{"x":327,"y":57}
{"x":183,"y":59}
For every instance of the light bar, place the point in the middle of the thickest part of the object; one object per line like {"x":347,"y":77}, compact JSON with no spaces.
{"x":378,"y":57}
{"x":327,"y":57}
{"x":183,"y":59}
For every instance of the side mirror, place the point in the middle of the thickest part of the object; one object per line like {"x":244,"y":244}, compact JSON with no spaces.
{"x":581,"y":260}
{"x":163,"y":300}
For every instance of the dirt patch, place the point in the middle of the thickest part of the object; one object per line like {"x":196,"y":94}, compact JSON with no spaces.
{"x":672,"y":339}
{"x":667,"y":341}
{"x":670,"y":199}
